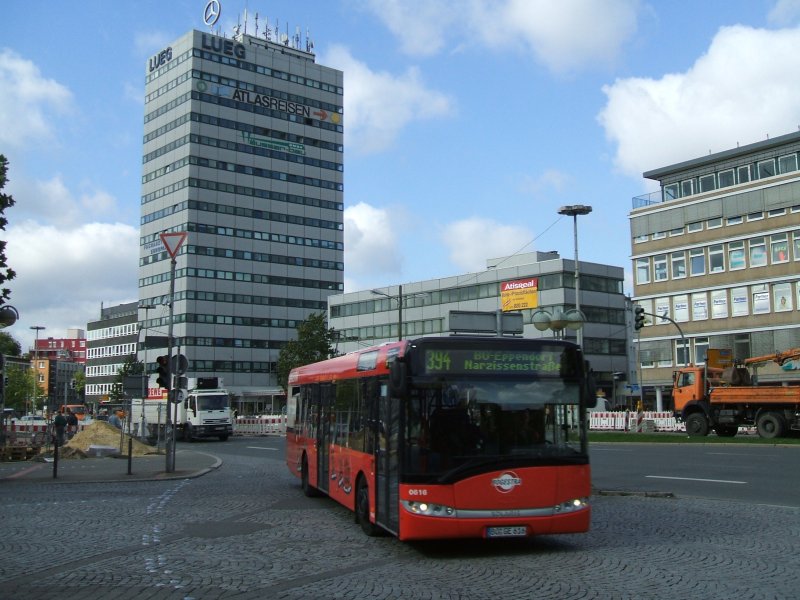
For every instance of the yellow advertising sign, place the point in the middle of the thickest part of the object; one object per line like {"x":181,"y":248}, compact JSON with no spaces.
{"x":519,"y":294}
{"x":719,"y":358}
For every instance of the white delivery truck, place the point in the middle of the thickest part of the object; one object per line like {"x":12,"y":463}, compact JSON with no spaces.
{"x":203,"y":410}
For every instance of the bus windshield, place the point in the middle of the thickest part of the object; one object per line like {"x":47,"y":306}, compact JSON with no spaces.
{"x":455,"y":422}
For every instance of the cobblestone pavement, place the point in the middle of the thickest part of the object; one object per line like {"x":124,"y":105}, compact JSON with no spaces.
{"x":245,"y":531}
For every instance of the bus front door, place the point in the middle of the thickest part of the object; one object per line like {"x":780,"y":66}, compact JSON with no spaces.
{"x":387,"y":459}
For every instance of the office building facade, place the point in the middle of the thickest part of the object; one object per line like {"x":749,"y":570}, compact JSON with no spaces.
{"x":717,"y":250}
{"x":243,"y":152}
{"x":111,"y":341}
{"x":371,"y":317}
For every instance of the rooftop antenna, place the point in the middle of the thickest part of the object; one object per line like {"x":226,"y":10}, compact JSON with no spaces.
{"x":256,"y":24}
{"x":296,"y":44}
{"x":310,"y":45}
{"x":245,"y":20}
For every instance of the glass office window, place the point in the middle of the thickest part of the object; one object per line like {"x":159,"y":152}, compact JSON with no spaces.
{"x":642,"y":270}
{"x":676,"y":231}
{"x":796,"y":239}
{"x":678,"y":265}
{"x":660,"y":267}
{"x":694,"y":227}
{"x":787,"y":164}
{"x":687,"y":188}
{"x":736,"y":258}
{"x":766,"y":168}
{"x":716,"y":258}
{"x":708,"y":183}
{"x":782,"y":294}
{"x":743,"y":173}
{"x":680,"y":308}
{"x":714,"y":223}
{"x":758,"y":252}
{"x":779,"y":248}
{"x":719,"y":304}
{"x":760,"y":296}
{"x":670,"y":192}
{"x":726,"y":178}
{"x":737,"y":220}
{"x":776,"y":212}
{"x":697,"y":262}
{"x":699,"y":306}
{"x":659,"y":235}
{"x":740,"y":304}
{"x":755,"y":216}
{"x":700,"y":350}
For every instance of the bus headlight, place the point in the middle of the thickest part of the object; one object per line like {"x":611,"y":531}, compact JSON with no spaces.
{"x":427,"y":509}
{"x":571,"y":505}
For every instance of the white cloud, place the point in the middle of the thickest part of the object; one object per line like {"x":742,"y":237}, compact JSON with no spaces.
{"x":472,"y":241}
{"x":51,"y":202}
{"x":737,"y":93}
{"x":563,"y":36}
{"x":548,"y":180}
{"x":370,"y":243}
{"x":784,"y":13}
{"x":27,"y":102}
{"x":377,"y":105}
{"x":63,"y":275}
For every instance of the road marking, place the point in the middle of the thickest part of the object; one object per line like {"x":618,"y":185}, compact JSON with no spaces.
{"x":259,"y":448}
{"x":694,"y":479}
{"x":727,"y":454}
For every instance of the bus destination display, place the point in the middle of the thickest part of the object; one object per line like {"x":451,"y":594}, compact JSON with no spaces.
{"x":476,"y":362}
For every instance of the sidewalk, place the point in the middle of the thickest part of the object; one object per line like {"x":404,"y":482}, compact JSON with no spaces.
{"x":188,"y":464}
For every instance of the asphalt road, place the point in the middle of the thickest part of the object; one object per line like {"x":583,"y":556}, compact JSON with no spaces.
{"x":245,"y":531}
{"x":757,"y":474}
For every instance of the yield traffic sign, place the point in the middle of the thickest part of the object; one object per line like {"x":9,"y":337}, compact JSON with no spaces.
{"x":173,"y":241}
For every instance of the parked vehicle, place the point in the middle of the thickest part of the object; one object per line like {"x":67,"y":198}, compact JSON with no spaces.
{"x":709,"y":398}
{"x":203,"y":411}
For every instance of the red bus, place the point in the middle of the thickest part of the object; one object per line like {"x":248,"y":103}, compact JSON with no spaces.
{"x":447,"y":437}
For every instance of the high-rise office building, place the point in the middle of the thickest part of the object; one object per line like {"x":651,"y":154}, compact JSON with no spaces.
{"x":243,"y":152}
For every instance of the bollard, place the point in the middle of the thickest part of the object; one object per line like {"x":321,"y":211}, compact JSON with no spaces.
{"x":55,"y":460}
{"x":130,"y":454}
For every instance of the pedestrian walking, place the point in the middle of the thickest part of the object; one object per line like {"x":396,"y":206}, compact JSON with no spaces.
{"x":72,"y":424}
{"x":60,"y":424}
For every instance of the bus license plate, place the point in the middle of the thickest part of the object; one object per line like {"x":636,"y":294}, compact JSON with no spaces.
{"x":494,"y":532}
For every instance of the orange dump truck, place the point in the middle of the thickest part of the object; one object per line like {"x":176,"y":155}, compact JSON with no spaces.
{"x":709,"y":398}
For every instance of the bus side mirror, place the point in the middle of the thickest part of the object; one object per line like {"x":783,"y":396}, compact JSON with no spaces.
{"x":398,"y":378}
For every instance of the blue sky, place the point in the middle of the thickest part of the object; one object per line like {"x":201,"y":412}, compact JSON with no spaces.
{"x":468,"y":123}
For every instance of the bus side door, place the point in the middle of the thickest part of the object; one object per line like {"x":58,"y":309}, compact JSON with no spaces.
{"x":327,"y":424}
{"x":387,"y":492}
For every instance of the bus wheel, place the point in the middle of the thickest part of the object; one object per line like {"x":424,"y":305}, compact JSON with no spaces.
{"x":308,"y":489}
{"x":362,"y":509}
{"x":726,"y":430}
{"x":770,"y":425}
{"x":696,"y":424}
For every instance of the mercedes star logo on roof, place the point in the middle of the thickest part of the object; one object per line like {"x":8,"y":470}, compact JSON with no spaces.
{"x":212,"y":12}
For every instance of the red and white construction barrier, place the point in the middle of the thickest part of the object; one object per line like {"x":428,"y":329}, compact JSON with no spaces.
{"x":264,"y":425}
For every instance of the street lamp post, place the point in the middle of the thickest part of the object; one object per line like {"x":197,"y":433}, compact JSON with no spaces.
{"x":399,"y":299}
{"x":574,"y":210}
{"x":37,"y":328}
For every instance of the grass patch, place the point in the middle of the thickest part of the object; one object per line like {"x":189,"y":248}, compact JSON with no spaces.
{"x":681,"y":438}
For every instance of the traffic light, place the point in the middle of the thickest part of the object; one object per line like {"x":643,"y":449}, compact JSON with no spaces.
{"x":638,"y":319}
{"x":163,"y":379}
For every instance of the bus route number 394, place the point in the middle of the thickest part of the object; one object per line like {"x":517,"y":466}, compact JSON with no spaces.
{"x":417,"y":492}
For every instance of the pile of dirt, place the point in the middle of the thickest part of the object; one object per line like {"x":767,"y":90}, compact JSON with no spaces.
{"x":100,"y":433}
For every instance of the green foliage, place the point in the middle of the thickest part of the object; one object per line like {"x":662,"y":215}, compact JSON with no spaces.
{"x":130,"y":367}
{"x":314,"y":343}
{"x":8,"y":345}
{"x":18,"y":388}
{"x":6,"y":201}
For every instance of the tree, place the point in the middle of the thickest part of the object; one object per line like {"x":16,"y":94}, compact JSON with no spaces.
{"x":129,"y":368}
{"x":6,"y":201}
{"x":314,"y":343}
{"x":18,"y":388}
{"x":8,"y":345}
